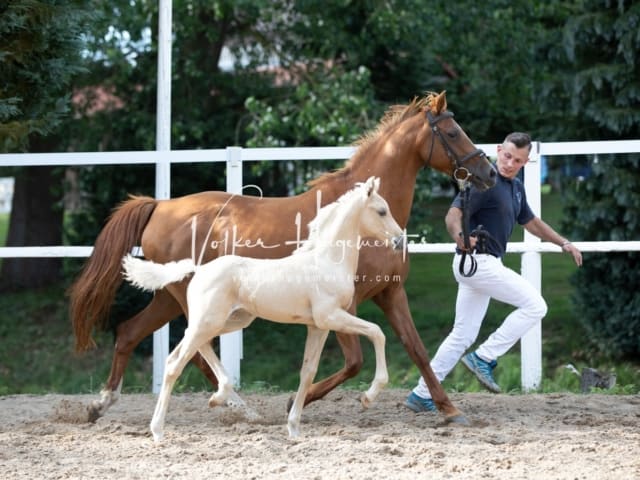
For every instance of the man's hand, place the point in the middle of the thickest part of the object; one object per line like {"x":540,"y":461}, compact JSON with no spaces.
{"x":573,"y":250}
{"x":460,"y":242}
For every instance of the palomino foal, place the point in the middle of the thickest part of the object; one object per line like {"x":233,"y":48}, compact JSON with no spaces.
{"x":314,"y":286}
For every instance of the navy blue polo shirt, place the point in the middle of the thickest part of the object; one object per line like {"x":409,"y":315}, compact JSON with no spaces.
{"x":497,"y":210}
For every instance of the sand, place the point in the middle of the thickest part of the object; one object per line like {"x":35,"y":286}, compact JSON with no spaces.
{"x":535,"y":436}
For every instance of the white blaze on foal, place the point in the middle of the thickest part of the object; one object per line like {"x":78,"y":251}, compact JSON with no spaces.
{"x":314,"y":286}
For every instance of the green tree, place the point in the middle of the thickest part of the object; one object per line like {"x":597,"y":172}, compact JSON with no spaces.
{"x":207,"y":102}
{"x":40,"y":47}
{"x":599,"y":84}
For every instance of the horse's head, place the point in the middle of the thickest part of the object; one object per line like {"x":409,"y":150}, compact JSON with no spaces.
{"x":376,"y":220}
{"x":450,"y":150}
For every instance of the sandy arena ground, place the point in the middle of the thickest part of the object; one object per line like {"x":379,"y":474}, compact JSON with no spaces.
{"x":557,"y":436}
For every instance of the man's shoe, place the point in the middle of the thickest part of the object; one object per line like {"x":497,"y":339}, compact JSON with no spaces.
{"x":482,"y":370}
{"x":419,"y":404}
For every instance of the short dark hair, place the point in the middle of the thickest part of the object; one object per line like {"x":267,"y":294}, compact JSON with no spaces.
{"x":519,"y":139}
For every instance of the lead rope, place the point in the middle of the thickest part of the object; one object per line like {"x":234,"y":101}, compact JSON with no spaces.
{"x":465,"y":187}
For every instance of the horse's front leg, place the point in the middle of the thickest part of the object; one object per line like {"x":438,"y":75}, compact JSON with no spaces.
{"x":393,"y":302}
{"x":314,"y":344}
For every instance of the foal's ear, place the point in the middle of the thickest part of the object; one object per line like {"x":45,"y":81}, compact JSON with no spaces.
{"x":372,"y":185}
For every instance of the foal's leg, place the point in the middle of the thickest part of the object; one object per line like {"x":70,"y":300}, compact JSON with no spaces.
{"x":225,"y":388}
{"x":176,"y":361}
{"x":353,"y":360}
{"x":343,"y":321}
{"x":316,"y":339}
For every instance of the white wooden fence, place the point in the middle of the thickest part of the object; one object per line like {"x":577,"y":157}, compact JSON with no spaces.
{"x":231,"y":344}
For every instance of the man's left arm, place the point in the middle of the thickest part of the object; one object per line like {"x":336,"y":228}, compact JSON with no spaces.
{"x":542,"y":230}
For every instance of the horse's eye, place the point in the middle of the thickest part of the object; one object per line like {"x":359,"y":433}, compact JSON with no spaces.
{"x":382,"y":212}
{"x":453,"y":133}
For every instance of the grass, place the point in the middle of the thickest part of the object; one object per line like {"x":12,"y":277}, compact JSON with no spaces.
{"x":4,"y":227}
{"x":37,"y":343}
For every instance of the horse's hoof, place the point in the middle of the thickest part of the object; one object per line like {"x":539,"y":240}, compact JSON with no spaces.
{"x":364,"y":400}
{"x":459,"y":419}
{"x":93,"y":414}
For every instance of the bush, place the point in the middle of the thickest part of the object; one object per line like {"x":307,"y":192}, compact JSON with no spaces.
{"x":607,"y":207}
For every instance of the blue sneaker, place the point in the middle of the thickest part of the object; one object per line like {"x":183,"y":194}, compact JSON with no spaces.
{"x":419,"y":404}
{"x":482,"y":370}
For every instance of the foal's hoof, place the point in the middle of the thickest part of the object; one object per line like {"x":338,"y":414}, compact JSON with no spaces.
{"x":459,"y":419}
{"x":364,"y":400}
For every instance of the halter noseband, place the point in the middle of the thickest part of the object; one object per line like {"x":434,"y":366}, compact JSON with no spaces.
{"x":461,"y":174}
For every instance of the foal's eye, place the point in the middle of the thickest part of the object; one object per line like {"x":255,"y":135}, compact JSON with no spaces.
{"x":382,"y":212}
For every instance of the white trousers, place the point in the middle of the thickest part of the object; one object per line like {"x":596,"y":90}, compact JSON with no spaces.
{"x":491,"y":280}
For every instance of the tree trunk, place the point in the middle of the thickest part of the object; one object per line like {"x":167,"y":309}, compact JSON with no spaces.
{"x":36,"y":220}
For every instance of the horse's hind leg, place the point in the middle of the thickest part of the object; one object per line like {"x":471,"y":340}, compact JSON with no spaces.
{"x":162,"y":309}
{"x":394,"y":303}
{"x":316,"y":339}
{"x":129,"y":334}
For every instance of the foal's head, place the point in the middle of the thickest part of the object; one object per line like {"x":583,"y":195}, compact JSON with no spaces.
{"x":374,"y":218}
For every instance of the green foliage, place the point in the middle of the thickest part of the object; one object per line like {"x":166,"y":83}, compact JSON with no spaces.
{"x":4,"y":225}
{"x":40,"y":44}
{"x":37,"y":349}
{"x":598,"y":84}
{"x":325,"y":107}
{"x":596,"y":79}
{"x":604,"y":44}
{"x":607,"y":207}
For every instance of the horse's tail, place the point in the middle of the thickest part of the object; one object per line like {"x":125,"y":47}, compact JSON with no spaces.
{"x":93,"y":292}
{"x":153,"y":276}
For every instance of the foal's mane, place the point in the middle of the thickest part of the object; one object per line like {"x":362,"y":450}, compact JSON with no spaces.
{"x":327,"y":215}
{"x":394,"y":115}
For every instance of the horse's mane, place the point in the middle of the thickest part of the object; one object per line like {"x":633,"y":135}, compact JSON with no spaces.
{"x":394,"y":115}
{"x":327,"y":215}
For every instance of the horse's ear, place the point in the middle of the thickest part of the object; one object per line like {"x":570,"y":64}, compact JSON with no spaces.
{"x":441,"y":102}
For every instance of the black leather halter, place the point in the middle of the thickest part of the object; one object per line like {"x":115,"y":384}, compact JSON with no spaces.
{"x":462,"y":176}
{"x":460,"y":172}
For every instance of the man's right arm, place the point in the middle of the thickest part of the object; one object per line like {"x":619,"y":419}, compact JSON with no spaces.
{"x":453,"y":222}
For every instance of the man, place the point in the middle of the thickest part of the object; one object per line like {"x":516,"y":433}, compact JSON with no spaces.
{"x":494,"y":213}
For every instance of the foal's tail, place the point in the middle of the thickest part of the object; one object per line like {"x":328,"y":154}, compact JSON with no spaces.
{"x":92,"y":293}
{"x":152,"y":276}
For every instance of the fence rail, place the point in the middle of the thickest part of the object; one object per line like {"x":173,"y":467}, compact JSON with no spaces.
{"x":231,"y":344}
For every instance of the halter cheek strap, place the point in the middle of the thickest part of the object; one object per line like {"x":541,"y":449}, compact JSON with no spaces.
{"x":456,"y":161}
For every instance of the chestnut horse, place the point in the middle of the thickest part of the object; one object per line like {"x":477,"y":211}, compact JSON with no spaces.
{"x":408,"y":138}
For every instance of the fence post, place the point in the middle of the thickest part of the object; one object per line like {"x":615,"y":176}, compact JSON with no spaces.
{"x":531,"y":342}
{"x":231,"y":343}
{"x":163,"y":165}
